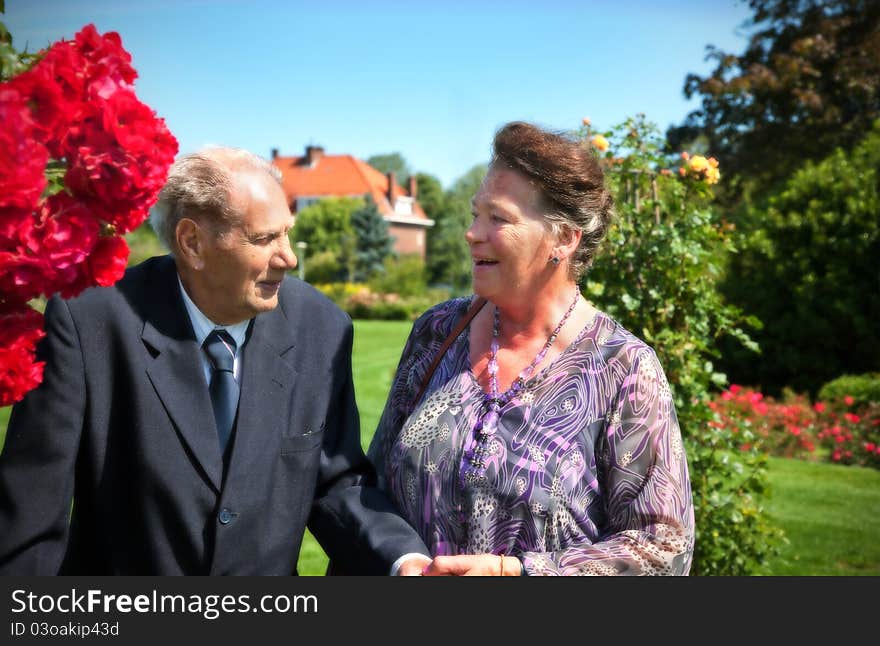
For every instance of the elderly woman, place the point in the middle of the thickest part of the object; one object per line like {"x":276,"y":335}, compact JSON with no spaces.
{"x":546,"y":440}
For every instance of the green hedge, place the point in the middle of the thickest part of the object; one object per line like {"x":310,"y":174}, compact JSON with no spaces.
{"x":862,"y":388}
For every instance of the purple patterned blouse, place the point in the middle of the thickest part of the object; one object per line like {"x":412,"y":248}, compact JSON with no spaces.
{"x":585,"y":475}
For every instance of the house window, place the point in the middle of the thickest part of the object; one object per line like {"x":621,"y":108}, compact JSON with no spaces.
{"x":403,"y":206}
{"x":303,"y":202}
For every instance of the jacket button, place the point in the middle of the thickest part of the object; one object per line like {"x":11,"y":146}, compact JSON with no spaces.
{"x":225,"y":516}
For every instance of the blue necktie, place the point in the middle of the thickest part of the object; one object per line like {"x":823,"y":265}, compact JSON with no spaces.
{"x":220,"y":348}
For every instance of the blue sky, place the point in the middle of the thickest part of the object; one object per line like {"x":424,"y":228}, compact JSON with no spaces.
{"x":432,"y":81}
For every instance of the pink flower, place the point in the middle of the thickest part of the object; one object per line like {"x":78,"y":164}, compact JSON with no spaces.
{"x":819,"y":407}
{"x":853,"y":419}
{"x":848,"y":400}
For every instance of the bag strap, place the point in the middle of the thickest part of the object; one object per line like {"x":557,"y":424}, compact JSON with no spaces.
{"x":475,"y":307}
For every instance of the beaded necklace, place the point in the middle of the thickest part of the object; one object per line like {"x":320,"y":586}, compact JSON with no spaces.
{"x":493,"y":400}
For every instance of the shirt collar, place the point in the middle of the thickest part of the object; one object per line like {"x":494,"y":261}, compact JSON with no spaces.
{"x":202,"y":325}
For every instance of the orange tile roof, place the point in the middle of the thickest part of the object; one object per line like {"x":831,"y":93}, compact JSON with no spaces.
{"x":339,"y":175}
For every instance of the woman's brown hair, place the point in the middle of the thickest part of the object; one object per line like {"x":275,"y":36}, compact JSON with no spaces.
{"x":568,"y":179}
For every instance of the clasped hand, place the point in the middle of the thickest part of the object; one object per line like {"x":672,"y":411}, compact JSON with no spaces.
{"x":462,"y":565}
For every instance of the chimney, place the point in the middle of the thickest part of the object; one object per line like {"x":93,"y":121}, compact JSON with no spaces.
{"x":313,"y":154}
{"x":391,"y":183}
{"x":274,"y":153}
{"x":413,"y":186}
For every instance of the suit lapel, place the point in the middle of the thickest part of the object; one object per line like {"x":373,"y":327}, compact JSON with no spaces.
{"x":267,"y":381}
{"x":177,"y":375}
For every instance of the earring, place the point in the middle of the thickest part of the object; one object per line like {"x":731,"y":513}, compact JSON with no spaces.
{"x":555,"y":260}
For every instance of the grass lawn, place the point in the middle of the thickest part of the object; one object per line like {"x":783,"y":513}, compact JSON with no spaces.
{"x":831,"y":517}
{"x":830,"y":513}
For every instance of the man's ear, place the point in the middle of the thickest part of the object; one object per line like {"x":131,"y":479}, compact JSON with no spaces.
{"x":190,"y":237}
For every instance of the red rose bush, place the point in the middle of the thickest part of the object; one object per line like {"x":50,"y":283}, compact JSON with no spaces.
{"x":82,"y":160}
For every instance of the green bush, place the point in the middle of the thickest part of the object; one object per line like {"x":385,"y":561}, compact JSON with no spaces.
{"x":862,"y":388}
{"x":360,"y":302}
{"x":323,"y":267}
{"x":658,"y":274}
{"x":405,"y":276}
{"x":379,"y":311}
{"x":808,"y":270}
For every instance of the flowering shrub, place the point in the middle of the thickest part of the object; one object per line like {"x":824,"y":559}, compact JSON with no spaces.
{"x":360,"y":302}
{"x":700,"y":168}
{"x":849,"y":432}
{"x":658,"y":274}
{"x":81,"y":162}
{"x":778,"y":428}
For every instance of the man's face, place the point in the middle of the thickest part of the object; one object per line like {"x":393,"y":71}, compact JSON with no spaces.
{"x":244,"y":266}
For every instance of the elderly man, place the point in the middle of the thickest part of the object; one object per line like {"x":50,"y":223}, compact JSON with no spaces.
{"x":201,"y":412}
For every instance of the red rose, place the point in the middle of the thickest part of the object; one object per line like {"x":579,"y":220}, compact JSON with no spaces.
{"x":65,"y":234}
{"x":108,"y":65}
{"x":23,"y":158}
{"x":107,"y":262}
{"x":19,"y":332}
{"x":119,"y":159}
{"x":23,"y":275}
{"x":105,"y":265}
{"x":52,"y":104}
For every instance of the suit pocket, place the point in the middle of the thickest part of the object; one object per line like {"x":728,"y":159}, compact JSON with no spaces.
{"x":300,"y":443}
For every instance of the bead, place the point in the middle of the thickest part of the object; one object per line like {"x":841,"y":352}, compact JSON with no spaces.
{"x":487,"y":425}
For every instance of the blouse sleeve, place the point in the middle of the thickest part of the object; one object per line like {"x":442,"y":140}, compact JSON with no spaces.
{"x":644,"y":485}
{"x":424,"y":341}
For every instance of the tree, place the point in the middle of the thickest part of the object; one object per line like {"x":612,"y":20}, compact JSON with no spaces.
{"x":391,"y":162}
{"x":325,"y":227}
{"x":809,"y":81}
{"x":323,"y":224}
{"x":433,"y":201}
{"x":372,"y":242}
{"x":810,"y":274}
{"x":449,"y":259}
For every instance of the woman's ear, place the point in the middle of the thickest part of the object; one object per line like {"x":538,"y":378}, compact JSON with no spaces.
{"x":567,"y":242}
{"x":190,"y":243}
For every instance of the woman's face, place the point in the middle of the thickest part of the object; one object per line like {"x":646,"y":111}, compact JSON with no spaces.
{"x":510,"y":243}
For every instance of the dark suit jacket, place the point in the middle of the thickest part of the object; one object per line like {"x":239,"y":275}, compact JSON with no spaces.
{"x":122,"y":424}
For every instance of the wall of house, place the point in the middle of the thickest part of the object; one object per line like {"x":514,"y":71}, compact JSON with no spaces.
{"x":409,"y":239}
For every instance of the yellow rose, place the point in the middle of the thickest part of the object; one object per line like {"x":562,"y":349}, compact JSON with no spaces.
{"x":600,"y":142}
{"x":698,"y":164}
{"x":713,"y":175}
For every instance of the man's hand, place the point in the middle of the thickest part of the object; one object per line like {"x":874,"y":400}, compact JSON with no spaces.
{"x":413,"y":566}
{"x":474,"y":565}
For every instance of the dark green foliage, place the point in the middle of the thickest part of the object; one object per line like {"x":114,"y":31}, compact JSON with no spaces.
{"x":658,"y":274}
{"x":372,"y":242}
{"x":808,"y":81}
{"x":808,"y":269}
{"x":862,"y":388}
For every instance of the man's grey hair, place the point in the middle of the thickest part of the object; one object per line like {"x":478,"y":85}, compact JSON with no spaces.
{"x":199,"y":186}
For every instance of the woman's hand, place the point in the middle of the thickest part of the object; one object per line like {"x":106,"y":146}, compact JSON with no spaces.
{"x":414,"y":566}
{"x":474,"y":565}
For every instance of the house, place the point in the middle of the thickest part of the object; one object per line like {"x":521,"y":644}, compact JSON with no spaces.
{"x":316,"y":175}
